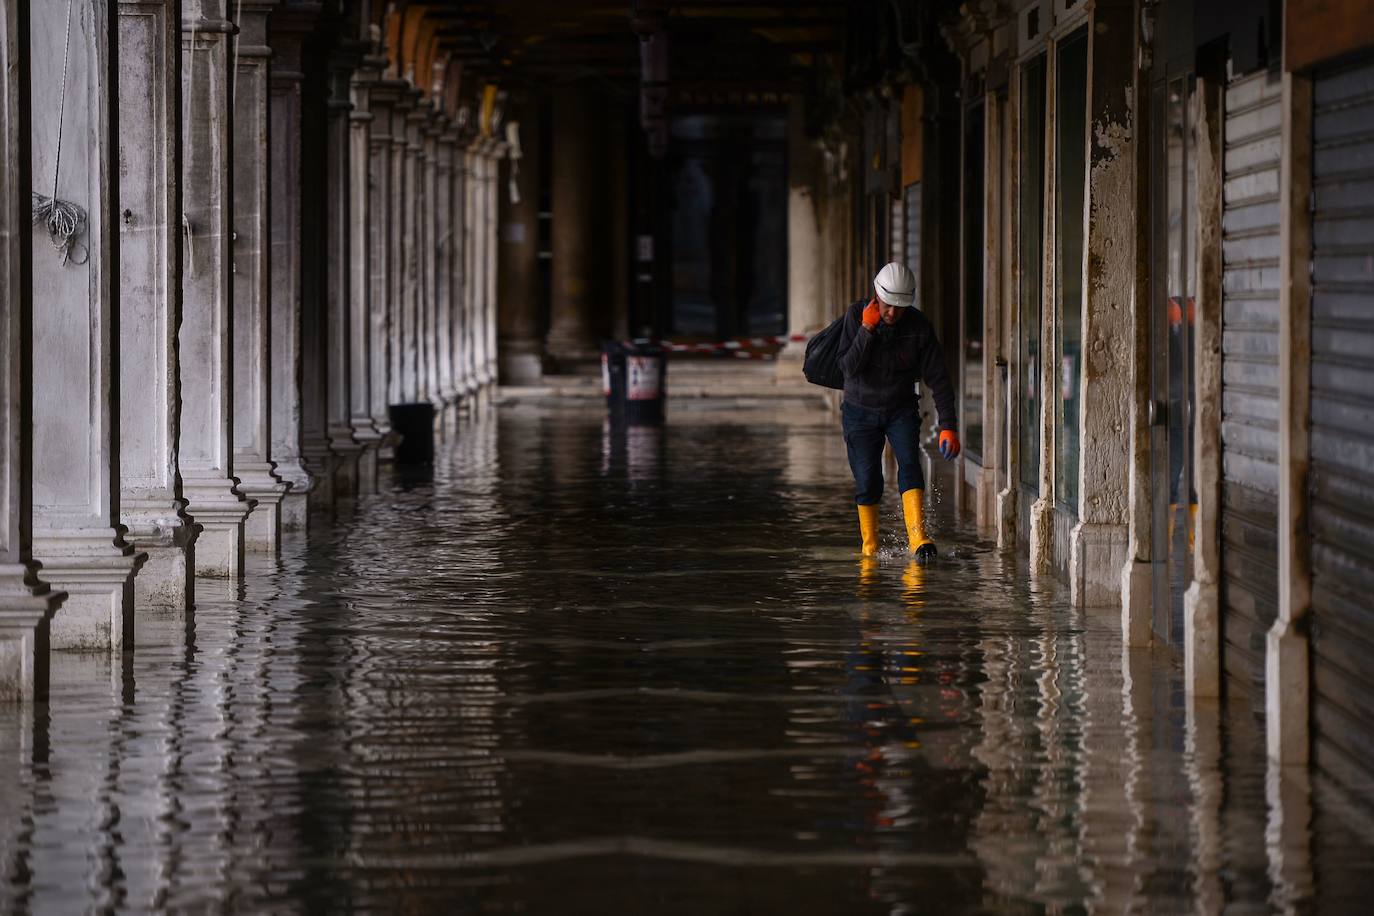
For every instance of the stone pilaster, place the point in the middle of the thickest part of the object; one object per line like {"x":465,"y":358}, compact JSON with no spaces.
{"x":1098,"y":542}
{"x":206,"y":334}
{"x":807,"y":308}
{"x":252,"y":226}
{"x":150,"y":503}
{"x":445,"y":226}
{"x":338,"y":232}
{"x":1137,"y":597}
{"x":1201,"y":603}
{"x":401,"y":241}
{"x":412,"y":350}
{"x":467,"y":349}
{"x":289,"y":26}
{"x":430,"y":130}
{"x":360,"y":288}
{"x":482,"y":246}
{"x":1287,"y":669}
{"x":317,"y":454}
{"x":26,"y":605}
{"x":495,"y":152}
{"x":382,"y":98}
{"x":1041,"y":533}
{"x":520,"y":350}
{"x":75,"y":332}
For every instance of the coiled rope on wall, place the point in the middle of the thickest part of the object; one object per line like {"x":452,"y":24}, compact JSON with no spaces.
{"x":63,"y":220}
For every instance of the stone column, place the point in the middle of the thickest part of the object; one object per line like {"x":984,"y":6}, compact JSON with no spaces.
{"x":360,"y":289}
{"x":477,"y":200}
{"x":316,"y":453}
{"x":150,"y":500}
{"x":993,"y":446}
{"x":807,"y":308}
{"x":579,"y":295}
{"x":338,"y":231}
{"x":25,"y":604}
{"x":289,"y":26}
{"x":381,"y":97}
{"x":496,"y":151}
{"x":75,"y":356}
{"x":252,"y":227}
{"x":206,"y":335}
{"x":482,"y":201}
{"x":1201,"y":603}
{"x":400,"y":242}
{"x":1137,"y":598}
{"x":1097,"y":544}
{"x":430,"y":130}
{"x":1287,"y":677}
{"x":411,"y":245}
{"x":467,"y":328}
{"x":1042,"y":510}
{"x":520,"y":351}
{"x":443,"y":270}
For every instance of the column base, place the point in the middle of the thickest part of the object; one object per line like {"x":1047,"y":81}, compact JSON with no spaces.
{"x":318,"y":459}
{"x":521,"y":366}
{"x":168,"y":536}
{"x":26,"y":607}
{"x":295,"y":511}
{"x":346,"y":452}
{"x":219,"y":550}
{"x":262,"y":528}
{"x":221,"y":512}
{"x":1006,"y":518}
{"x":1202,"y":640}
{"x":1137,"y":603}
{"x":1042,"y":537}
{"x":1096,"y":552}
{"x":1286,"y":693}
{"x":96,"y":569}
{"x":369,"y":440}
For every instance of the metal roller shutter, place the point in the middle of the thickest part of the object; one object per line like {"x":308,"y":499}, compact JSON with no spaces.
{"x":1342,"y":468}
{"x":1250,"y":367}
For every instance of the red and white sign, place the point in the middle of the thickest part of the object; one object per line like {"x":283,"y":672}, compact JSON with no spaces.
{"x":641,"y":378}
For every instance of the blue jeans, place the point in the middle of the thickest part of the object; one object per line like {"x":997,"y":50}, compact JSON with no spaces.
{"x":864,"y":432}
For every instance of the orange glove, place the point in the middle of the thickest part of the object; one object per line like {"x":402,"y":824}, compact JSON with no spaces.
{"x":949,"y":444}
{"x":871,"y":314}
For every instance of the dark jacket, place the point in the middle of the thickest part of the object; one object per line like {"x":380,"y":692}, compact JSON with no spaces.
{"x":881,"y":367}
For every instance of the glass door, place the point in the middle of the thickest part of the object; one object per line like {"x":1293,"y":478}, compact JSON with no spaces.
{"x":1172,"y":370}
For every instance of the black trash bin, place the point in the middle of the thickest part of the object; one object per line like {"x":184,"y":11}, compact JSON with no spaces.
{"x":634,"y":377}
{"x":414,"y":423}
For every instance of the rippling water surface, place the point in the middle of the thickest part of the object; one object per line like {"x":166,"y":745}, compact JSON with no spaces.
{"x":583,"y":670}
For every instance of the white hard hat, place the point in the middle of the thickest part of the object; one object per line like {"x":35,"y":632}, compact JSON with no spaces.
{"x":895,"y":285}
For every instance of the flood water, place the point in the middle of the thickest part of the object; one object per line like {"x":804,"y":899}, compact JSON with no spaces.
{"x":585,"y":670}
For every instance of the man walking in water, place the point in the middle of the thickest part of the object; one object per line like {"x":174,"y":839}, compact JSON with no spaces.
{"x":886,"y":346}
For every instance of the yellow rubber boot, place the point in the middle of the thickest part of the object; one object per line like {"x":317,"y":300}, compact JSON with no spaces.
{"x":921,"y":547}
{"x":868,"y":529}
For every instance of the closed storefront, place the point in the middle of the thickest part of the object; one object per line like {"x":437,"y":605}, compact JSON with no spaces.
{"x":1342,"y":432}
{"x":1250,"y":360}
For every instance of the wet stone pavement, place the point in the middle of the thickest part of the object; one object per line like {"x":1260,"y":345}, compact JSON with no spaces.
{"x":585,"y":670}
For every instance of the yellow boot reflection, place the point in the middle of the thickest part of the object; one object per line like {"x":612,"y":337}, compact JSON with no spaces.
{"x":868,"y":571}
{"x":914,"y":585}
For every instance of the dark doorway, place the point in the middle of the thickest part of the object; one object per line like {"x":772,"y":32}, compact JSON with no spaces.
{"x":729,"y":225}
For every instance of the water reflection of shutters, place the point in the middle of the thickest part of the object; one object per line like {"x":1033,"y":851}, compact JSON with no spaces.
{"x":1250,"y":366}
{"x":1342,"y":491}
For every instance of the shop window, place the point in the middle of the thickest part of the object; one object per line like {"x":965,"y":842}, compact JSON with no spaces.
{"x":973,"y":282}
{"x":1031,"y":230}
{"x":1071,"y":108}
